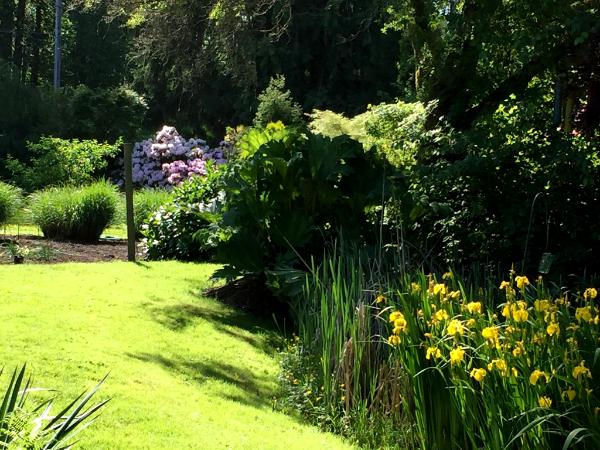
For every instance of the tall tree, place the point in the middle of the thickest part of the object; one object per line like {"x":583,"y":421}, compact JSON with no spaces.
{"x":37,"y":42}
{"x":97,"y":48}
{"x":470,"y":55}
{"x":7,"y":14}
{"x":18,"y":54}
{"x":213,"y":57}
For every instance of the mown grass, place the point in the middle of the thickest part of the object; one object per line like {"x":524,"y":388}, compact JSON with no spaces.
{"x":27,"y":229}
{"x":185,"y":371}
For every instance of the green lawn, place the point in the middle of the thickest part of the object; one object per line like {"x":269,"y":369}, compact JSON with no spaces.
{"x":185,"y":371}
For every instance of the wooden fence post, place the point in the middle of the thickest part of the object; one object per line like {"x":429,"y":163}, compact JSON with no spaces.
{"x":127,"y":150}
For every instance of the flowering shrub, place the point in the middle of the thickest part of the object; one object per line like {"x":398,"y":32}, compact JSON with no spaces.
{"x":170,"y":159}
{"x":510,"y":376}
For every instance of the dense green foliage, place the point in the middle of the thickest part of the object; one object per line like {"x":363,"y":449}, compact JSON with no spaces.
{"x":145,"y":202}
{"x":75,"y":213}
{"x":469,"y":56}
{"x":537,"y":201}
{"x":31,"y":112}
{"x":56,"y":162}
{"x":289,"y":193}
{"x":10,"y":201}
{"x":183,"y":227}
{"x":509,"y":190}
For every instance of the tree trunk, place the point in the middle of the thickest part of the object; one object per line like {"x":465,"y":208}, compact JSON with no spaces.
{"x":37,"y":41}
{"x":7,"y":13}
{"x":591,"y":116}
{"x":19,"y":35}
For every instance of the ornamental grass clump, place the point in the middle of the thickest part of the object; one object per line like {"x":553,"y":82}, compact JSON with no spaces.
{"x":10,"y":201}
{"x":77,"y":214}
{"x":515,"y":375}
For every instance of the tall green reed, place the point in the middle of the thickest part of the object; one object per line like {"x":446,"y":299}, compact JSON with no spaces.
{"x":339,"y":322}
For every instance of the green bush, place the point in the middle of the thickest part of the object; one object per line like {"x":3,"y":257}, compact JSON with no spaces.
{"x":509,"y":190}
{"x":290,"y":193}
{"x":78,"y":214}
{"x":277,"y":104}
{"x":512,"y":189}
{"x":147,"y":201}
{"x":105,"y":114}
{"x":10,"y":200}
{"x":29,"y":112}
{"x":331,"y":124}
{"x":184,"y":228}
{"x":58,"y":162}
{"x":395,"y":130}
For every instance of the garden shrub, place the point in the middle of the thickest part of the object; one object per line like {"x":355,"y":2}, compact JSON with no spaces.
{"x":184,"y":228}
{"x":10,"y":201}
{"x":170,"y":159}
{"x":104,"y":113}
{"x":395,"y":130}
{"x":75,"y":213}
{"x":56,"y":162}
{"x":330,"y":124}
{"x":147,"y":201}
{"x":506,"y":191}
{"x":30,"y":112}
{"x":288,"y":193}
{"x":276,"y":104}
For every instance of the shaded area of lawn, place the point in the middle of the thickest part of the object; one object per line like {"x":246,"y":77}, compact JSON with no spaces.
{"x":185,"y":371}
{"x":259,"y":333}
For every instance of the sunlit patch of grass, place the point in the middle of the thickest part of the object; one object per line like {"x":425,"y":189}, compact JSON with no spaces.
{"x":185,"y":371}
{"x":115,"y":231}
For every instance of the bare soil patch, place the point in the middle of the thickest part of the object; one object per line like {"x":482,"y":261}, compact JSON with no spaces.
{"x":45,"y":251}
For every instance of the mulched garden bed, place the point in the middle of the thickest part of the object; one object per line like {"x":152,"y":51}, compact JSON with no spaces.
{"x":44,"y":251}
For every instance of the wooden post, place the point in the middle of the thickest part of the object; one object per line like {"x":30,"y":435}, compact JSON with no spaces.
{"x":127,"y":150}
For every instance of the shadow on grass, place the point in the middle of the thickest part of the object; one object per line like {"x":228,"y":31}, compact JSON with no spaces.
{"x":257,"y":332}
{"x":257,"y":390}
